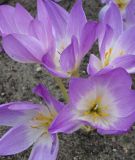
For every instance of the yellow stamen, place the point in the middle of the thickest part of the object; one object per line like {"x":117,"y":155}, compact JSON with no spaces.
{"x":96,"y":110}
{"x":107,"y":57}
{"x":121,"y":4}
{"x":42,"y":120}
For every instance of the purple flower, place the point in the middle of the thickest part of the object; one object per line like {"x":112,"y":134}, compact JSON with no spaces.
{"x":126,"y":7}
{"x":116,"y":46}
{"x":105,"y":102}
{"x":73,"y":37}
{"x":55,"y":38}
{"x":30,"y":126}
{"x":23,"y":37}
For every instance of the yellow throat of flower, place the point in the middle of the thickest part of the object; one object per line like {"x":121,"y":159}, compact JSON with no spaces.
{"x":42,"y":120}
{"x":107,"y":57}
{"x":96,"y":110}
{"x":122,"y":4}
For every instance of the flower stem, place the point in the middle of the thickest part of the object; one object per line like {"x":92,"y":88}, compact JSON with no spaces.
{"x":62,"y":88}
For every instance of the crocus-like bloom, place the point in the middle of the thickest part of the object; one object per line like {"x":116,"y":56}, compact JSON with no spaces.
{"x":73,"y":37}
{"x":126,"y":7}
{"x":30,"y":126}
{"x":55,"y":38}
{"x":105,"y":102}
{"x":117,"y":47}
{"x":22,"y":36}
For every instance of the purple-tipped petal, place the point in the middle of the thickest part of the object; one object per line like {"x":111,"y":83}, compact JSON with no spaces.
{"x":37,"y":30}
{"x":6,"y":19}
{"x":49,"y":65}
{"x":18,"y":139}
{"x":111,"y":15}
{"x":22,"y":19}
{"x":94,"y":65}
{"x":65,"y":122}
{"x":78,"y":87}
{"x":112,"y":132}
{"x":77,"y":20}
{"x":129,"y":14}
{"x":23,"y":48}
{"x":129,"y":106}
{"x":69,"y":56}
{"x":105,"y":39}
{"x":16,"y":113}
{"x":42,"y":91}
{"x":43,"y":149}
{"x":122,"y":125}
{"x":82,"y":86}
{"x":14,"y":20}
{"x":88,"y":36}
{"x":125,"y":44}
{"x":127,"y":62}
{"x":58,"y":16}
{"x":113,"y":78}
{"x":44,"y":18}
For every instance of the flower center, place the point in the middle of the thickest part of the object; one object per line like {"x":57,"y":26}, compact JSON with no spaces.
{"x":122,"y":4}
{"x":40,"y":120}
{"x":96,"y":110}
{"x":107,"y":57}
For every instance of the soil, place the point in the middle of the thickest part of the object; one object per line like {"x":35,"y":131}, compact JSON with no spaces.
{"x":16,"y":82}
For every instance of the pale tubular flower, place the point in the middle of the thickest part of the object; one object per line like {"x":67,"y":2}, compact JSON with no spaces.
{"x":104,"y":102}
{"x":30,"y":126}
{"x":116,"y":45}
{"x":55,"y":38}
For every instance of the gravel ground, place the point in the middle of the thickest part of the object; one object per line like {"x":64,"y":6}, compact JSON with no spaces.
{"x":16,"y":82}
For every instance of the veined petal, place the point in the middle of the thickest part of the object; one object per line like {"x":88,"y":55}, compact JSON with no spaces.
{"x":125,"y":44}
{"x":127,"y":62}
{"x":111,"y":15}
{"x":36,"y":29}
{"x":22,"y":19}
{"x":94,"y":65}
{"x":129,"y":14}
{"x":44,"y":18}
{"x":23,"y":48}
{"x":18,"y":139}
{"x":14,"y":20}
{"x":6,"y":19}
{"x":88,"y":36}
{"x":42,"y":150}
{"x":113,"y":78}
{"x":75,"y":25}
{"x":78,"y":87}
{"x":105,"y":39}
{"x":42,"y":91}
{"x":40,"y":32}
{"x":128,"y":102}
{"x":121,"y":126}
{"x":59,"y":17}
{"x":16,"y":113}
